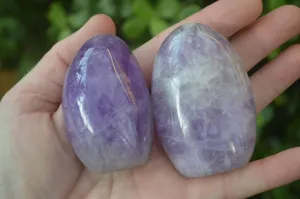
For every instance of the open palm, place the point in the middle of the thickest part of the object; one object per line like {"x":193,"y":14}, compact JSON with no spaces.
{"x":37,"y":162}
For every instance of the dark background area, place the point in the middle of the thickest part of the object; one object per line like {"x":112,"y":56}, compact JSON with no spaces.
{"x":29,"y":28}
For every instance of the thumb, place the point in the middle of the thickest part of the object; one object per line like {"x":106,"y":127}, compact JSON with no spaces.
{"x":41,"y":89}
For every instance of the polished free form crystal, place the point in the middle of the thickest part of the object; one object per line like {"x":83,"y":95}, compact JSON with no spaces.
{"x":107,"y":106}
{"x":203,"y":104}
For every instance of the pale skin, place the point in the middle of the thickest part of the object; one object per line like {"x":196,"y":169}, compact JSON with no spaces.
{"x":37,"y":162}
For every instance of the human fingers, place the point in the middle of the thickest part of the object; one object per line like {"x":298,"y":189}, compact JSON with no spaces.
{"x":226,"y":16}
{"x":257,"y":177}
{"x":275,"y":77}
{"x":271,"y":172}
{"x":258,"y":40}
{"x":41,"y":89}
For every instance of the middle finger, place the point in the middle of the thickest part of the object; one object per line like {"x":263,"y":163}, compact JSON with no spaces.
{"x":226,"y":16}
{"x":258,"y":40}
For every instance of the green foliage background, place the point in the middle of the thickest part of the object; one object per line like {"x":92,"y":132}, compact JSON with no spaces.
{"x":29,"y":28}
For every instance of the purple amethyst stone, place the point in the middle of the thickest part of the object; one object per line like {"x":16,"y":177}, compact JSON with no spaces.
{"x":203,"y":104}
{"x":107,"y":106}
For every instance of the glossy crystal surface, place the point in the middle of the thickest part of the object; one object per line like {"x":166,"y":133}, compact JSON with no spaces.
{"x":107,"y":107}
{"x":203,"y":104}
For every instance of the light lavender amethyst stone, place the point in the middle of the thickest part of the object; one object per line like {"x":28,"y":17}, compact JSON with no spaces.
{"x":107,"y":106}
{"x":203,"y":104}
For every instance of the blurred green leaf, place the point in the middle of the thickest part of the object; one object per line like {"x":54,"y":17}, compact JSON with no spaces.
{"x":80,"y":5}
{"x":292,"y":108}
{"x":275,"y":145}
{"x":168,"y":8}
{"x":281,"y":100}
{"x":107,"y":7}
{"x":7,"y":47}
{"x":264,"y":116}
{"x":78,"y":19}
{"x":296,"y":39}
{"x":134,"y":27}
{"x":188,"y":11}
{"x":57,"y":16}
{"x":157,"y":25}
{"x":294,"y":127}
{"x":64,"y":33}
{"x":126,"y":8}
{"x":260,"y":120}
{"x":281,"y":193}
{"x":274,"y":54}
{"x":143,"y":9}
{"x":293,"y":131}
{"x":28,"y":61}
{"x":11,"y":32}
{"x":273,"y":4}
{"x":8,"y":26}
{"x":296,"y":2}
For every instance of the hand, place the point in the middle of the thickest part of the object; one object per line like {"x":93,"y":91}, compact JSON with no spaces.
{"x":37,"y":162}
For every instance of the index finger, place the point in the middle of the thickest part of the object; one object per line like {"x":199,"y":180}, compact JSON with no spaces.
{"x":226,"y":17}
